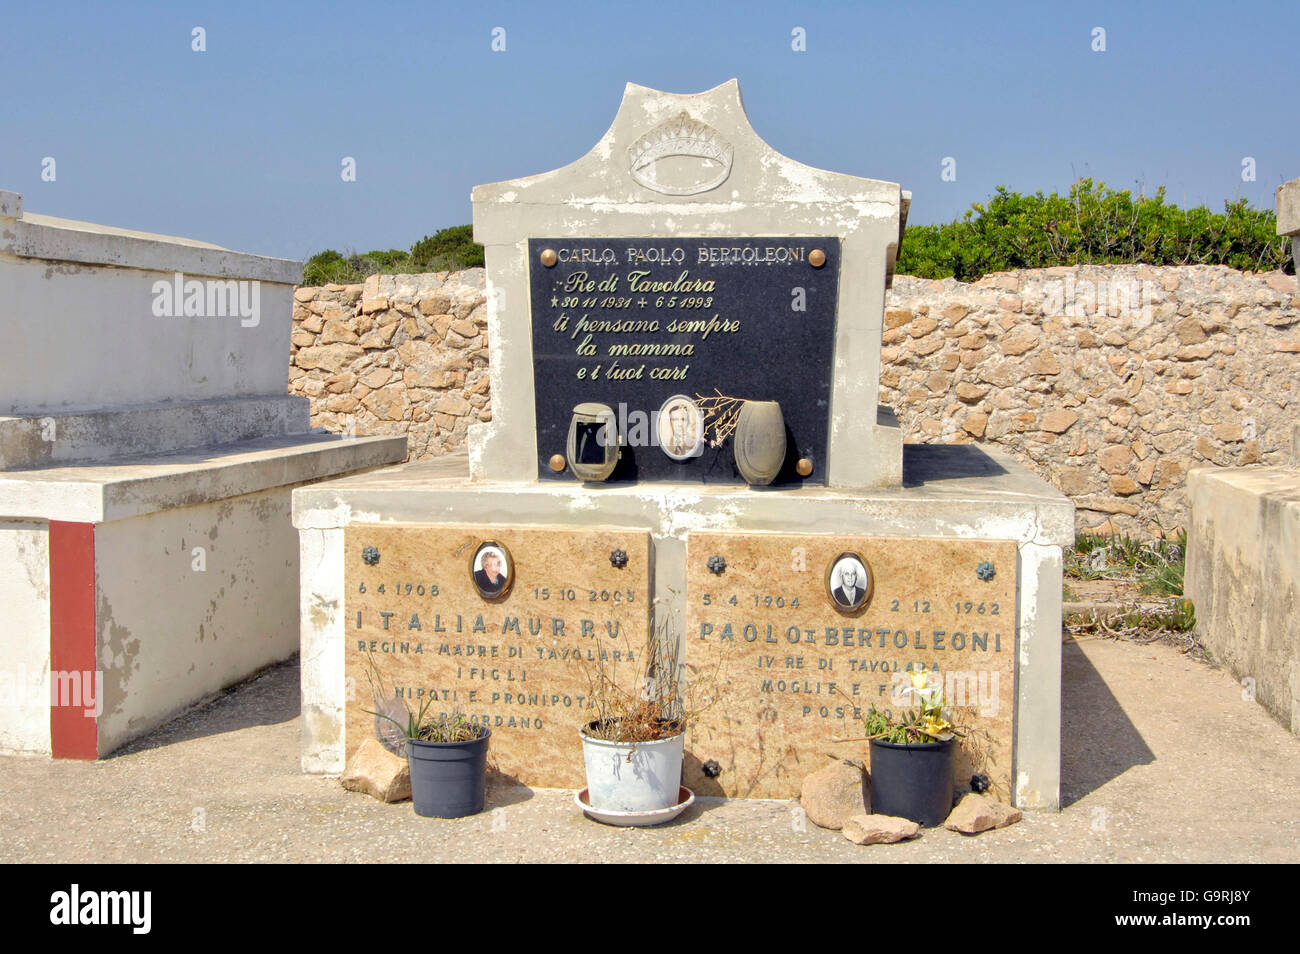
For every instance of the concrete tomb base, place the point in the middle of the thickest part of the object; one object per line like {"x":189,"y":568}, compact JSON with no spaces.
{"x":1243,"y":578}
{"x":962,"y":499}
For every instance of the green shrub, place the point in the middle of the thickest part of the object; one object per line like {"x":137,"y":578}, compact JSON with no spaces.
{"x":448,"y":250}
{"x":1092,"y":225}
{"x":325,"y":267}
{"x":1156,"y":566}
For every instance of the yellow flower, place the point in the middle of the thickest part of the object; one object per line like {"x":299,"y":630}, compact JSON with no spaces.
{"x":935,"y":725}
{"x":920,"y":678}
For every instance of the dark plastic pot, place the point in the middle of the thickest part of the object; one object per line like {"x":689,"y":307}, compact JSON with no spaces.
{"x":912,"y":781}
{"x":448,"y":779}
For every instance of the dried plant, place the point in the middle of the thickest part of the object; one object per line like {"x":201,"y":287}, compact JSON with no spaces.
{"x":395,"y":722}
{"x":1167,"y":621}
{"x":655,"y":700}
{"x":721,"y":415}
{"x":392,"y":717}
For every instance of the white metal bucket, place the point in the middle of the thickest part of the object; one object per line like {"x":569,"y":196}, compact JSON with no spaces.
{"x":633,"y":777}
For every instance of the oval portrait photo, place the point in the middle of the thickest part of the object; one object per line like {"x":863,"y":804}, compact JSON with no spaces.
{"x":680,"y":428}
{"x":493,"y":571}
{"x":849,"y":582}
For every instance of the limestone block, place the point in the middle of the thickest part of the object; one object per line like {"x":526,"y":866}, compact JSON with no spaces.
{"x":879,"y":829}
{"x":378,"y":773}
{"x":976,"y":813}
{"x":833,"y":794}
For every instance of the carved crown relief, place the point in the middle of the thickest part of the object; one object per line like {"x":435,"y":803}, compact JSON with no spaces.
{"x":680,"y":156}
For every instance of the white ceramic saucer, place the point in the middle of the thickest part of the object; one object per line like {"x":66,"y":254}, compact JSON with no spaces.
{"x":685,"y":798}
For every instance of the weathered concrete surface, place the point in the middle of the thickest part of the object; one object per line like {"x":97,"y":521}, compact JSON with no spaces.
{"x":1288,"y":208}
{"x":963,"y":491}
{"x":41,"y":441}
{"x":1288,"y":216}
{"x":115,"y":490}
{"x":66,"y":282}
{"x":190,"y":600}
{"x":227,"y":564}
{"x":1243,"y":576}
{"x":1149,"y":738}
{"x":25,"y":663}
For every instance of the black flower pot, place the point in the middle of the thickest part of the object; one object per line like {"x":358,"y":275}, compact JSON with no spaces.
{"x":448,"y":779}
{"x":912,"y":781}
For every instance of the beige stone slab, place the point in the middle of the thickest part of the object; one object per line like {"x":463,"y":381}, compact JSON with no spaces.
{"x":522,"y":664}
{"x":767,"y":630}
{"x":1288,"y":208}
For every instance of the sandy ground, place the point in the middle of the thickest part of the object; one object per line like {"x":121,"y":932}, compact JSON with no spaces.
{"x":1163,"y":761}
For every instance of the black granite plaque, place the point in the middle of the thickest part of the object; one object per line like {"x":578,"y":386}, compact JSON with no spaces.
{"x":631,"y":323}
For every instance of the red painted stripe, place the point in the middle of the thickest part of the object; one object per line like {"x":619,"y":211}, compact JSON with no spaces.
{"x":73,"y":734}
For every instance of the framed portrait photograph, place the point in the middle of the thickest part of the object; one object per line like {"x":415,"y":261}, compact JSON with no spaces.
{"x":849,"y":582}
{"x":493,"y":570}
{"x":680,"y":428}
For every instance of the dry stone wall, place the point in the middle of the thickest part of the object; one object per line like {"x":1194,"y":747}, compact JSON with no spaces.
{"x":401,"y":354}
{"x":1109,"y":381}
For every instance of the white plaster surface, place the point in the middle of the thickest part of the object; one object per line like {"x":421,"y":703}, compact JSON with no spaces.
{"x":169,"y":633}
{"x":1037,"y":761}
{"x":324,"y":693}
{"x":82,"y":337}
{"x":80,"y":323}
{"x":31,"y":235}
{"x":114,"y":490}
{"x":175,"y":437}
{"x":24,"y":637}
{"x":958,"y":490}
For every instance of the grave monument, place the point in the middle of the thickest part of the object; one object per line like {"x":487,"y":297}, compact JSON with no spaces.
{"x":686,"y":443}
{"x":147,"y":453}
{"x":1243,"y":565}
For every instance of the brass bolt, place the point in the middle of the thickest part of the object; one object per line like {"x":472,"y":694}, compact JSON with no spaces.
{"x":804,"y":467}
{"x":549,"y":258}
{"x":816,"y":258}
{"x":557,"y":462}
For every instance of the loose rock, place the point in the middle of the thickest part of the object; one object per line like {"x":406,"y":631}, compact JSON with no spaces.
{"x":977,"y":813}
{"x":835,"y":793}
{"x":878,"y":829}
{"x":378,"y":773}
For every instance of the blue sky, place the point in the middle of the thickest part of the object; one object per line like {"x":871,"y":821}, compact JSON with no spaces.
{"x":241,"y":145}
